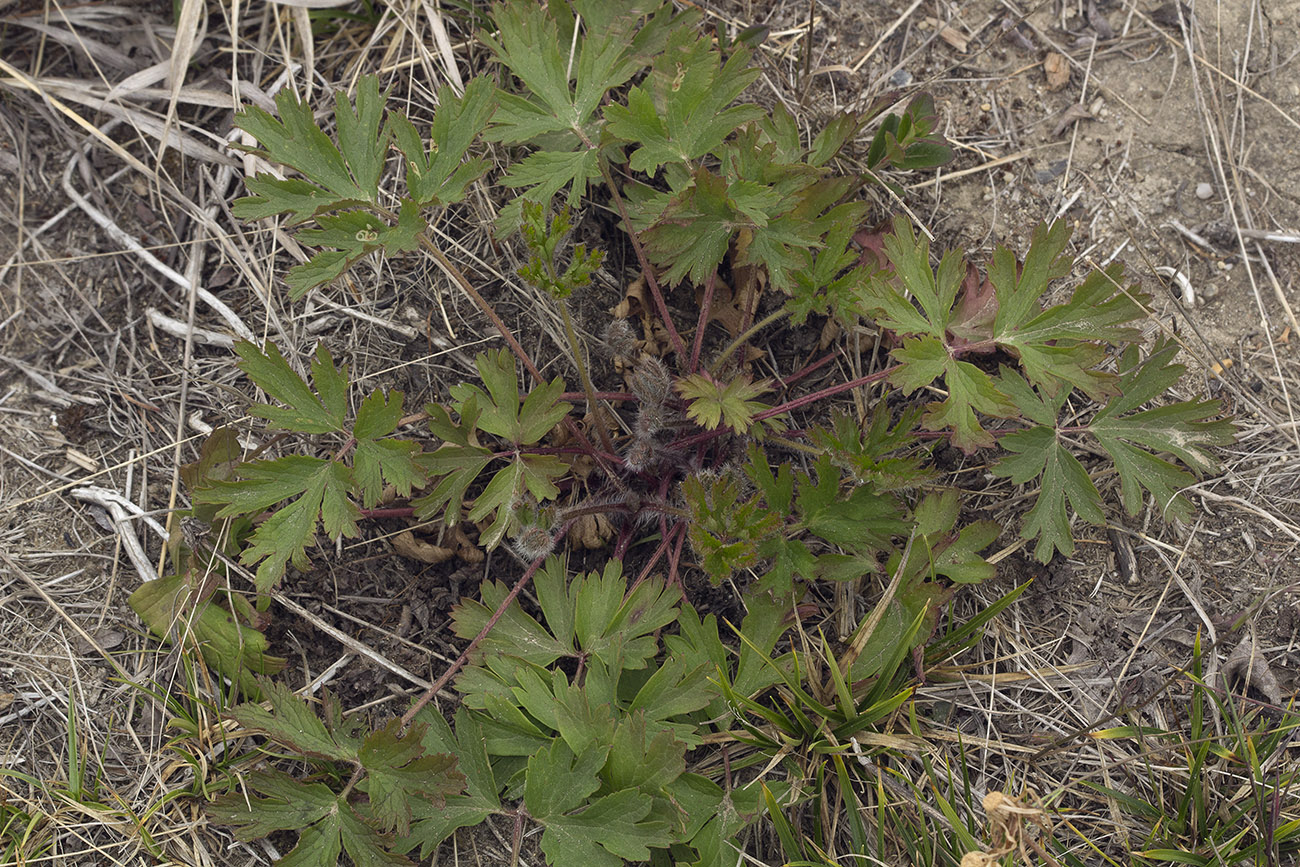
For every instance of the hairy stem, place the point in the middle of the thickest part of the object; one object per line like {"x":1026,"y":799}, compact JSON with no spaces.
{"x":584,"y":374}
{"x":679,"y":346}
{"x":744,"y":336}
{"x":705,"y":308}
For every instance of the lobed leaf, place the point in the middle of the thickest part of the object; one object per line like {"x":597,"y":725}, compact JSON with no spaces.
{"x":714,"y":404}
{"x":292,"y":723}
{"x":400,"y":771}
{"x":440,"y":174}
{"x":303,"y":411}
{"x":319,"y":490}
{"x":345,"y":174}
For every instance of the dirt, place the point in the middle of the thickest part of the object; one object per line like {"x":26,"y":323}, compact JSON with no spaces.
{"x":1170,"y":154}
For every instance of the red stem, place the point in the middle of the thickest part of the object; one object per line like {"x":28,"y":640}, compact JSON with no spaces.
{"x":646,"y":269}
{"x":703,"y":322}
{"x":808,"y":370}
{"x":790,"y":406}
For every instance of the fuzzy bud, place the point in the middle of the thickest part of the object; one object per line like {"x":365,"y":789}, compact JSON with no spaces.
{"x":620,"y":339}
{"x":533,"y":542}
{"x":650,"y":382}
{"x":640,"y":455}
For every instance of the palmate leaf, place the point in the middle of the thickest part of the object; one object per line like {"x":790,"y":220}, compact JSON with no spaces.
{"x":441,"y":174}
{"x":461,"y":461}
{"x":714,"y":404}
{"x":499,"y":411}
{"x":352,"y":234}
{"x":321,"y":490}
{"x":291,"y":722}
{"x":1132,"y":437}
{"x":946,"y":314}
{"x":326,"y":824}
{"x":431,"y":825}
{"x":576,"y":832}
{"x":399,"y":772}
{"x":303,"y":411}
{"x":559,"y":112}
{"x":681,"y":113}
{"x":1059,"y":346}
{"x":344,"y":174}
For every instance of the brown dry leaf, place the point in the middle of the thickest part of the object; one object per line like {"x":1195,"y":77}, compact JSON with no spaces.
{"x":1057,"y":69}
{"x":407,"y":545}
{"x":831,"y":332}
{"x":1069,"y":116}
{"x":591,"y":532}
{"x":725,"y":307}
{"x":1246,"y":667}
{"x":1006,"y":829}
{"x":465,"y":548}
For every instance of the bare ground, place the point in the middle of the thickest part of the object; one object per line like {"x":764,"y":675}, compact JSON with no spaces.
{"x":1170,"y":142}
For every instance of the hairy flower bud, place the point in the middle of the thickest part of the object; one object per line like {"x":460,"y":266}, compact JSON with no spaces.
{"x":619,"y":338}
{"x":533,"y":542}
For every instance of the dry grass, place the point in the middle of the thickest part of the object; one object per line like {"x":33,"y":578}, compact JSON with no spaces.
{"x":125,"y":280}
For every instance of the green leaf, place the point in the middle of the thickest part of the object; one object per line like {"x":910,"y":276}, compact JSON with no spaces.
{"x":516,"y":633}
{"x":456,"y":467}
{"x":363,"y":845}
{"x":566,"y":79}
{"x":681,"y":113}
{"x":726,"y":532}
{"x":291,"y":722}
{"x":433,"y":824}
{"x":321,"y":490}
{"x":548,"y":172}
{"x":1058,"y":345}
{"x":945,"y":315}
{"x":353,"y":234}
{"x":1130,"y":436}
{"x":378,"y":460}
{"x":600,"y":833}
{"x":232,"y":646}
{"x":714,"y":404}
{"x":273,"y":196}
{"x":861,"y":520}
{"x":616,"y":625}
{"x":1037,"y":453}
{"x":499,"y":407}
{"x":326,"y":823}
{"x":303,"y":411}
{"x":345,"y":174}
{"x":691,"y":235}
{"x":923,"y":360}
{"x":536,"y":49}
{"x":872,"y":456}
{"x":290,"y":805}
{"x":496,"y":411}
{"x":440,"y":175}
{"x":399,"y":772}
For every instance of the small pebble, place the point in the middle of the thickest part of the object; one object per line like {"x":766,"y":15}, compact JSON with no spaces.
{"x":1204,"y":191}
{"x":901,"y":78}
